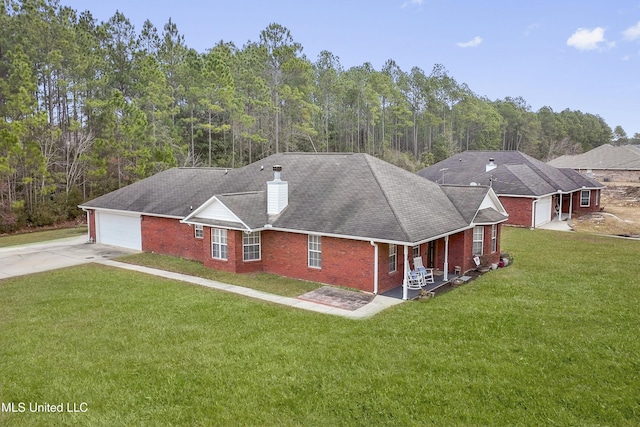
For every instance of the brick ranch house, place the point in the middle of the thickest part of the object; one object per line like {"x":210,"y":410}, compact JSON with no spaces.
{"x":605,"y":163}
{"x":533,"y":192}
{"x":342,"y":219}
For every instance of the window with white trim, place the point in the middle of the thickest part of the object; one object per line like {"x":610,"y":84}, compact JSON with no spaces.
{"x":478,"y":240}
{"x":219,"y":243}
{"x":315,"y":251}
{"x":494,"y":238}
{"x":393,"y":258}
{"x":585,"y":196}
{"x":416,"y":251}
{"x":251,"y":246}
{"x":198,"y":231}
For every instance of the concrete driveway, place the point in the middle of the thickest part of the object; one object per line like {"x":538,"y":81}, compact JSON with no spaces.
{"x":38,"y":257}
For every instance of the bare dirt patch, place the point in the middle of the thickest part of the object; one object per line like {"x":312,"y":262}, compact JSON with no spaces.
{"x":620,"y":213}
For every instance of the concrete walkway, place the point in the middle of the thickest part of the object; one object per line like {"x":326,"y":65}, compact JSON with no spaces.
{"x":378,"y":304}
{"x":54,"y":254}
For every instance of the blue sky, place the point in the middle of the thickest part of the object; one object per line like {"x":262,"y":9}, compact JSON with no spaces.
{"x":581,"y":55}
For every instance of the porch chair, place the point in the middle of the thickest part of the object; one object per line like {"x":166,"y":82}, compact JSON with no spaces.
{"x":414,"y":280}
{"x":426,"y":273}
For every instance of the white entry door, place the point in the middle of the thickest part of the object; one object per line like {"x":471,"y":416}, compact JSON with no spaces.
{"x":119,"y":230}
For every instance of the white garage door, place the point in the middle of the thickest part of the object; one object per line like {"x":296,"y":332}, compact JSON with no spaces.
{"x":543,"y":211}
{"x":119,"y":230}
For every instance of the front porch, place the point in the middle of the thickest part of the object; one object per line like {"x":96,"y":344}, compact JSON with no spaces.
{"x":558,"y":223}
{"x":439,"y":283}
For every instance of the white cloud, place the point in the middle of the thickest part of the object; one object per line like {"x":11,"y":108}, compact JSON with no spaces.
{"x":531,"y":28}
{"x":471,"y":43}
{"x":632,"y":33}
{"x":408,"y":2}
{"x":586,"y":39}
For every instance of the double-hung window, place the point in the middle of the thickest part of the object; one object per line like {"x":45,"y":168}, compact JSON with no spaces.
{"x":219,"y":243}
{"x":315,"y":251}
{"x":478,"y":240}
{"x":251,"y":246}
{"x":585,"y":196}
{"x":198,"y":231}
{"x":393,"y":258}
{"x":494,"y":238}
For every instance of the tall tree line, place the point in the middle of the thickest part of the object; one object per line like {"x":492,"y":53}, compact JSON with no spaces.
{"x":87,"y":107}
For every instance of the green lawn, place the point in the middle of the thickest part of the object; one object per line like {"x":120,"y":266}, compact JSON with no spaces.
{"x":550,"y":340}
{"x":271,"y":283}
{"x":41,"y":236}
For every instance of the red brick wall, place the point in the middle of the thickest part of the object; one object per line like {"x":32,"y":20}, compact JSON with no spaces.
{"x":242,"y":266}
{"x":344,"y":262}
{"x":230,"y":264}
{"x":460,"y":248}
{"x":389,"y":280}
{"x":519,"y":210}
{"x":604,"y":175}
{"x":168,"y":236}
{"x":489,"y":256}
{"x":594,"y":203}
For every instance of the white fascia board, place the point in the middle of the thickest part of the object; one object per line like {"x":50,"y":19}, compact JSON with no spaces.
{"x":114,"y":211}
{"x":365,"y":239}
{"x":127,"y":213}
{"x":488,"y":223}
{"x":199,"y":208}
{"x":225,"y":227}
{"x":585,"y":188}
{"x":205,"y":205}
{"x":496,"y":201}
{"x":521,"y":196}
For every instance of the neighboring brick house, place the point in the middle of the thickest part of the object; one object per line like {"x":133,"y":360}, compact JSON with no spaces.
{"x":343,"y":219}
{"x":533,"y":192}
{"x":605,"y":163}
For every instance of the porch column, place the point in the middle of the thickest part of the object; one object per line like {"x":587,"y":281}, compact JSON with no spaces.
{"x":560,"y":212}
{"x":446,"y":257}
{"x":570,"y":204}
{"x":405,"y":270}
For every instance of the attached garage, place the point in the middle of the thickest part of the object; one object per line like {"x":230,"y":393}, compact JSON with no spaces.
{"x":119,"y":229}
{"x":543,"y":211}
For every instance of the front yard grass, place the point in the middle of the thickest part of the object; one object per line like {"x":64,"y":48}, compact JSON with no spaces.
{"x":41,"y":236}
{"x":260,"y":281}
{"x":550,"y":340}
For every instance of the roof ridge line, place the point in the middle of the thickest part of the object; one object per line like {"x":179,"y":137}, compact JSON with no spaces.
{"x":384,"y":194}
{"x":241,"y":193}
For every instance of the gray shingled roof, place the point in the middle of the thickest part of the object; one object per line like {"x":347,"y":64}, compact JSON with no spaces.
{"x":489,"y":216}
{"x":169,"y":193}
{"x":352,"y":195}
{"x":466,"y":199}
{"x":515,"y":174}
{"x":624,"y":157}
